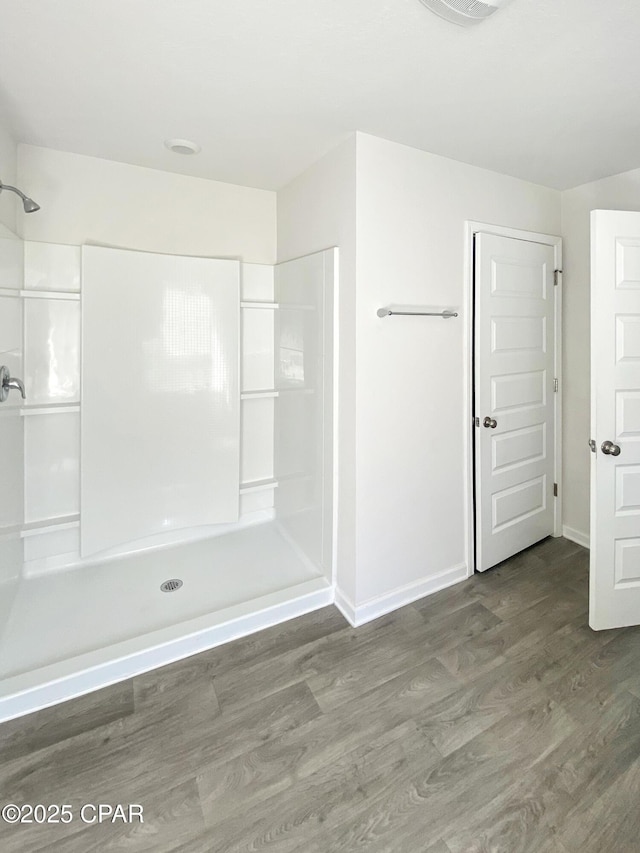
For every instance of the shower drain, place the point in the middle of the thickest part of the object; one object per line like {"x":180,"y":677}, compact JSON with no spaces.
{"x":171,"y":586}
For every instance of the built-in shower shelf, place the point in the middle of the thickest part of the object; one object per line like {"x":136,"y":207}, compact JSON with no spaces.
{"x":50,"y":409}
{"x":258,"y":486}
{"x":50,"y":525}
{"x":257,"y":395}
{"x":50,"y":294}
{"x":274,"y":392}
{"x":274,"y":306}
{"x":253,"y":304}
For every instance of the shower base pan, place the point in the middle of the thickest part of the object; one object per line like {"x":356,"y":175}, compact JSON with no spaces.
{"x":78,"y":630}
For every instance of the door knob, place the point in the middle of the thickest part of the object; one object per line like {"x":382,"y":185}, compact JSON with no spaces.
{"x":610,"y":449}
{"x":7,"y":383}
{"x":490,"y":423}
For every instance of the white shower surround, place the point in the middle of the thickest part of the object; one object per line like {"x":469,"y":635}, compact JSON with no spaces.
{"x":160,"y":428}
{"x":54,"y":576}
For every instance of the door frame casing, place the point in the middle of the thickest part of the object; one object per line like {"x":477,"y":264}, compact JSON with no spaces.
{"x":471,"y":228}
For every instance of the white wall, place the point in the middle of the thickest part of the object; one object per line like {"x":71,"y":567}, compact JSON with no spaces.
{"x":315,"y":211}
{"x":402,"y":392}
{"x":88,"y":200}
{"x":620,"y":192}
{"x":411,"y":424}
{"x":8,"y":175}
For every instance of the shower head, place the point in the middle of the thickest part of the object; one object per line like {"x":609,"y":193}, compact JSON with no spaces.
{"x":28,"y":204}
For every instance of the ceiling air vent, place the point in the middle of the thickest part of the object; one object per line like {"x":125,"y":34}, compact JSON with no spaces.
{"x":464,"y":12}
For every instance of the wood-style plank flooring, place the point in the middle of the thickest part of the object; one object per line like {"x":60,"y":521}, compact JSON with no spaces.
{"x":485,"y":719}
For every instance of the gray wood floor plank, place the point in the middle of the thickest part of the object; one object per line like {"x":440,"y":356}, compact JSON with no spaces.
{"x":169,"y":815}
{"x":389,"y":645}
{"x":585,"y":687}
{"x":449,"y":600}
{"x":324,"y":798}
{"x":543,"y":556}
{"x":438,"y":847}
{"x":604,"y":750}
{"x":486,"y":699}
{"x":547,"y":803}
{"x":614,"y":815}
{"x":150,"y":752}
{"x":164,"y":687}
{"x":443,"y":632}
{"x":485,"y":719}
{"x":464,"y":781}
{"x":305,"y":750}
{"x":513,"y":829}
{"x":523,"y":636}
{"x":267,"y":644}
{"x":357,"y":674}
{"x":61,"y":722}
{"x":401,"y":844}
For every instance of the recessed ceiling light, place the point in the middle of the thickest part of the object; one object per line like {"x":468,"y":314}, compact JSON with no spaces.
{"x":182,"y":146}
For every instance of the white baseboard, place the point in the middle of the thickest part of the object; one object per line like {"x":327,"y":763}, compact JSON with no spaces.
{"x":576,"y":536}
{"x":345,"y":607}
{"x":382,"y":604}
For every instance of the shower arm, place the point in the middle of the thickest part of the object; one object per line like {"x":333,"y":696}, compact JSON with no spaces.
{"x":29,"y":205}
{"x":13,"y":190}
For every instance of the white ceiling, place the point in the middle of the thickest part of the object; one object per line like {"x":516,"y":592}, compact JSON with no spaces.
{"x":546,"y":90}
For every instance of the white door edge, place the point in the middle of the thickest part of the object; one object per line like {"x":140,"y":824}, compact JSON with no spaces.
{"x":471,"y":228}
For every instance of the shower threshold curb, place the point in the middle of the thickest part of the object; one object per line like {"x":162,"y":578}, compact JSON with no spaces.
{"x":58,"y":682}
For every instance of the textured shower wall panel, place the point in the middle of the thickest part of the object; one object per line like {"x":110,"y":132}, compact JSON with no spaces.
{"x":304,"y":289}
{"x":52,"y":351}
{"x":160,"y":395}
{"x":256,"y":459}
{"x":11,"y":432}
{"x":257,"y":282}
{"x":257,"y":350}
{"x":257,"y":440}
{"x":51,"y":266}
{"x":11,"y":342}
{"x":11,"y":260}
{"x":11,"y":493}
{"x":51,"y":475}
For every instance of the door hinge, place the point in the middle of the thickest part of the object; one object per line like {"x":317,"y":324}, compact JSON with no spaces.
{"x":555,"y":490}
{"x":557,"y":277}
{"x":555,"y":385}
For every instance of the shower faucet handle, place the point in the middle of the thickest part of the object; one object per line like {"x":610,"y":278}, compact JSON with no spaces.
{"x":7,"y":383}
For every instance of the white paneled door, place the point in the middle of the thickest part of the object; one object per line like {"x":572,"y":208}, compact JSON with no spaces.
{"x":614,"y":594}
{"x":514,"y":405}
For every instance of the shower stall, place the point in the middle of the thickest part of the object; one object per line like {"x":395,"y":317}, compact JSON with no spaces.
{"x":168,"y":479}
